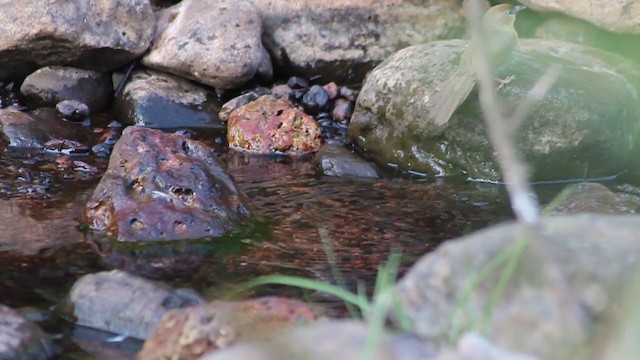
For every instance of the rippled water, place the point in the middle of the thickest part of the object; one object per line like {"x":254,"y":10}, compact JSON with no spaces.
{"x":42,"y":252}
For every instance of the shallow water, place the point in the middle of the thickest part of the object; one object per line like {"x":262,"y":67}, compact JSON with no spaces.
{"x":42,"y":252}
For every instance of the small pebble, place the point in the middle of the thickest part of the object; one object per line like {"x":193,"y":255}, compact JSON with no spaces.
{"x":281,"y":91}
{"x":348,"y":94}
{"x":331,"y":89}
{"x":315,"y":99}
{"x":296,"y":83}
{"x":72,"y":110}
{"x":342,"y":110}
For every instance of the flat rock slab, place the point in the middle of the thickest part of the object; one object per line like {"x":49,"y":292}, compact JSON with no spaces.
{"x":591,"y":197}
{"x":612,"y":15}
{"x":121,"y":303}
{"x":21,"y":339}
{"x":163,"y":186}
{"x":342,"y":40}
{"x":99,"y":35}
{"x":213,"y":42}
{"x":188,"y":333}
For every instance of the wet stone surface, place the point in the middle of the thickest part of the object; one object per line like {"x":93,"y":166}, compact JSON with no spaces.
{"x":163,"y":186}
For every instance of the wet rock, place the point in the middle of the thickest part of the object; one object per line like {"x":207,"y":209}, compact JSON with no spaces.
{"x":23,"y":130}
{"x":565,"y":285}
{"x":591,"y":197}
{"x":189,"y":333}
{"x":578,"y":130}
{"x":72,"y":110}
{"x":343,"y":40}
{"x":348,"y":94}
{"x":331,"y":89}
{"x":269,"y":126}
{"x":163,"y":187}
{"x":342,"y":110}
{"x":296,"y":82}
{"x":281,"y":91}
{"x":213,"y":42}
{"x":239,"y":101}
{"x":315,"y":100}
{"x":158,"y":100}
{"x":21,"y":339}
{"x":344,"y":339}
{"x":67,"y":147}
{"x":618,"y":15}
{"x":100,"y":35}
{"x":121,"y":303}
{"x":264,"y":72}
{"x":52,"y":84}
{"x":335,"y":160}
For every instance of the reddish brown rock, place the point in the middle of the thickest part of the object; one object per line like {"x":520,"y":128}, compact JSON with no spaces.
{"x":188,"y":333}
{"x":163,"y":186}
{"x":269,"y":126}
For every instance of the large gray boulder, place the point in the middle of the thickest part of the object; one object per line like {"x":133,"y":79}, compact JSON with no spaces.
{"x":342,"y":40}
{"x":613,"y":15}
{"x":565,"y":286}
{"x":95,"y":34}
{"x":586,"y":126}
{"x":213,"y":42}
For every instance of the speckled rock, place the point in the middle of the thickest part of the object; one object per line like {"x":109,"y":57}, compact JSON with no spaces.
{"x":213,"y":42}
{"x":21,"y":339}
{"x":163,"y":101}
{"x":578,"y":130}
{"x":121,"y":303}
{"x":269,"y":126}
{"x":620,"y":16}
{"x":188,"y":333}
{"x":100,"y":35}
{"x":591,"y":197}
{"x":52,"y":84}
{"x":164,"y":187}
{"x":335,"y":160}
{"x":342,"y":40}
{"x":565,"y":285}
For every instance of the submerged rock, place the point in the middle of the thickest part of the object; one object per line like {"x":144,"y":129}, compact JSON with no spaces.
{"x":210,"y":41}
{"x":189,"y":333}
{"x":53,"y":84}
{"x":164,"y":187}
{"x":335,"y":160}
{"x":591,"y":197}
{"x":100,"y":35}
{"x":272,"y":126}
{"x":162,"y":101}
{"x":23,"y":130}
{"x":121,"y":303}
{"x":578,"y":130}
{"x":565,"y":285}
{"x":343,"y":40}
{"x":21,"y":339}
